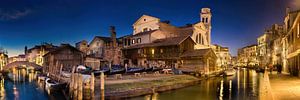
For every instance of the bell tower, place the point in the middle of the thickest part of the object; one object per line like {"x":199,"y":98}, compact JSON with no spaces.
{"x":205,"y":18}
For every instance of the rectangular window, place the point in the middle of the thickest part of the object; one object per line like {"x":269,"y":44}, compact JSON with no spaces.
{"x":139,"y":40}
{"x":133,"y":41}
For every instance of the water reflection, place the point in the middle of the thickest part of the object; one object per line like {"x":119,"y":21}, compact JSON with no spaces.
{"x":23,"y":86}
{"x":244,"y":85}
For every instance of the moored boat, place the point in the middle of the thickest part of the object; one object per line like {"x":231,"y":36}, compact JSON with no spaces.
{"x":65,"y":74}
{"x":135,"y":70}
{"x":154,"y":69}
{"x":53,"y":86}
{"x":117,"y":71}
{"x":229,"y":72}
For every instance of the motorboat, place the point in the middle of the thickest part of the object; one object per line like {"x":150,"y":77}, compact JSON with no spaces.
{"x":229,"y":72}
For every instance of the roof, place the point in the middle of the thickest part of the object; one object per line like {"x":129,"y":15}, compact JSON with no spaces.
{"x":62,"y":47}
{"x":47,"y":47}
{"x":143,"y":17}
{"x":161,"y":42}
{"x":197,"y":53}
{"x":142,"y":33}
{"x":105,"y":39}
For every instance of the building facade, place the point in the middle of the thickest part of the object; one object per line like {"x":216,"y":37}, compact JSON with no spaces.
{"x":20,"y":57}
{"x":200,"y":31}
{"x":36,"y":53}
{"x":223,"y":56}
{"x":3,"y":60}
{"x":292,"y":22}
{"x":156,"y":43}
{"x":247,"y":56}
{"x":64,"y":55}
{"x":102,"y":50}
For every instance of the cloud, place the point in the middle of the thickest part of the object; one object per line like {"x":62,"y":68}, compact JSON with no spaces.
{"x":6,"y":15}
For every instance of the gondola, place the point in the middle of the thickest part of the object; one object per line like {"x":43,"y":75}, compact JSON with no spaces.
{"x":157,"y":69}
{"x":98,"y":72}
{"x":53,"y":86}
{"x":117,"y":71}
{"x":229,"y":72}
{"x":148,"y":69}
{"x":135,"y":70}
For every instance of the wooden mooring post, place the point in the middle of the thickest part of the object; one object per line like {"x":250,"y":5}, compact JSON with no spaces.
{"x":102,"y":86}
{"x":80,"y":84}
{"x":79,"y":90}
{"x":92,"y":87}
{"x":75,"y":89}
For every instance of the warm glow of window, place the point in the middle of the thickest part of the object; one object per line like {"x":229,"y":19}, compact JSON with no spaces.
{"x":145,"y":29}
{"x":152,"y":51}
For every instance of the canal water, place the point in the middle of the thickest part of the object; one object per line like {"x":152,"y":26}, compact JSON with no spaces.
{"x":28,"y":89}
{"x":244,"y":85}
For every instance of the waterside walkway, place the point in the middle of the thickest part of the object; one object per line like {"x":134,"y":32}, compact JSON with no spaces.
{"x":284,"y":86}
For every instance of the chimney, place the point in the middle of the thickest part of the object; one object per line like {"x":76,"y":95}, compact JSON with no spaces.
{"x":113,"y":35}
{"x":25,"y":52}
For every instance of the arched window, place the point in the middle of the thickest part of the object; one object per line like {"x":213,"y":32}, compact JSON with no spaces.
{"x":200,"y":38}
{"x":145,"y":29}
{"x":206,"y":20}
{"x":197,"y":39}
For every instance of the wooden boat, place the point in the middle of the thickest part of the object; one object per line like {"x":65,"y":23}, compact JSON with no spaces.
{"x":98,"y":72}
{"x":148,"y":69}
{"x":229,"y":72}
{"x":53,"y":86}
{"x":65,"y":74}
{"x":135,"y":70}
{"x":154,"y":69}
{"x":117,"y":71}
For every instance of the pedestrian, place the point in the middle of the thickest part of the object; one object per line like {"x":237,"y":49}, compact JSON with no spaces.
{"x":280,"y":68}
{"x":270,"y":68}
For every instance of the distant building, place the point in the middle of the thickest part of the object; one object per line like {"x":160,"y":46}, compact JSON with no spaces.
{"x":223,"y":56}
{"x":247,"y":56}
{"x":83,"y":46}
{"x":66,"y":56}
{"x":3,"y":60}
{"x":36,"y":53}
{"x":20,"y":57}
{"x":267,"y":43}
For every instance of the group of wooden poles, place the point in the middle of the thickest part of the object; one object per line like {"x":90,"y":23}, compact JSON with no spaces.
{"x":80,"y":89}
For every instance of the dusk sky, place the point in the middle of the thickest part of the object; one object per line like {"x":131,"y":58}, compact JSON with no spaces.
{"x":235,"y":23}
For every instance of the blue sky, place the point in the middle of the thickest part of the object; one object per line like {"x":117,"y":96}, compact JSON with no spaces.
{"x":235,"y":23}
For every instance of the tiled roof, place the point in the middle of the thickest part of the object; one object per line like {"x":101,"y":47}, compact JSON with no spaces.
{"x":197,"y":53}
{"x":105,"y":39}
{"x":161,"y":42}
{"x":142,"y":33}
{"x":62,"y":47}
